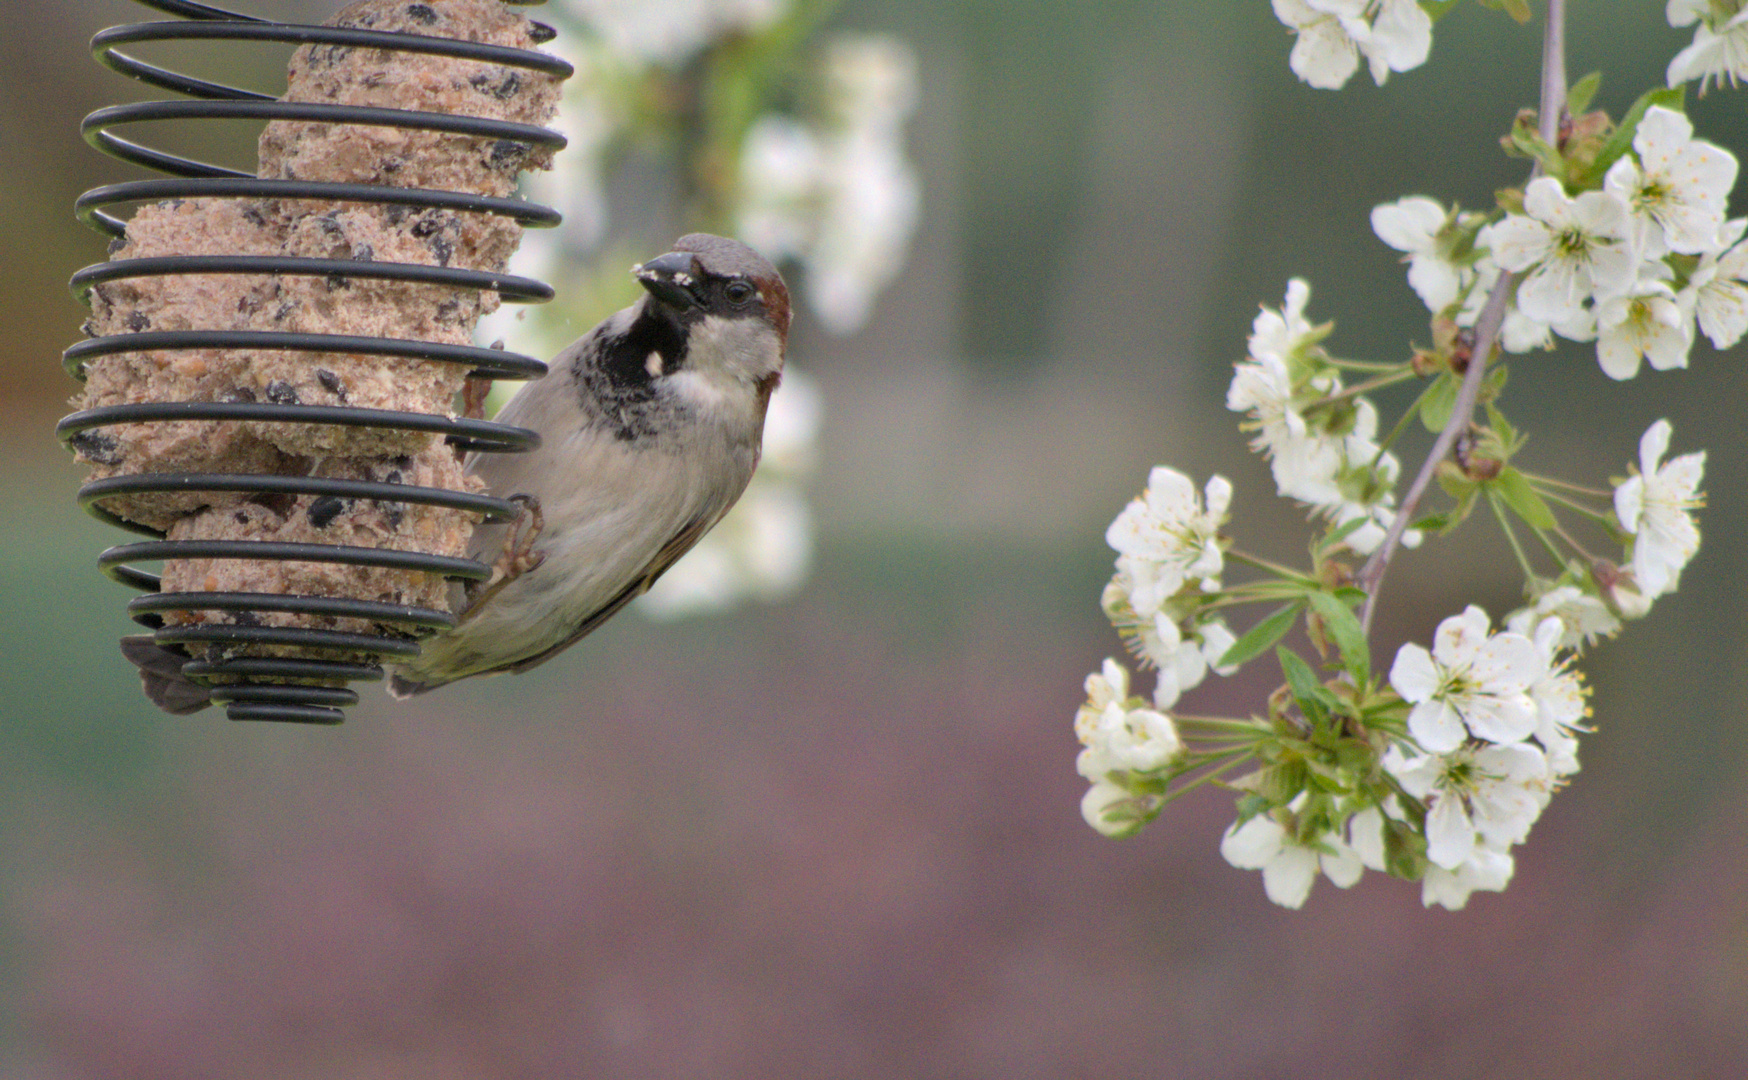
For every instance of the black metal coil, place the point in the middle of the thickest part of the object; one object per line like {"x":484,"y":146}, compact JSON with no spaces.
{"x":299,"y":689}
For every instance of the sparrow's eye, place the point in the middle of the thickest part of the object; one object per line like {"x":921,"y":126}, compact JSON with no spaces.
{"x":738,"y":292}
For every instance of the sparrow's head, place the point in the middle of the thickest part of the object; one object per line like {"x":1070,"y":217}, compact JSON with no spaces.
{"x":728,"y":303}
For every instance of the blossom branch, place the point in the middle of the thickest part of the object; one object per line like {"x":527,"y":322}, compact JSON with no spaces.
{"x":1553,"y":109}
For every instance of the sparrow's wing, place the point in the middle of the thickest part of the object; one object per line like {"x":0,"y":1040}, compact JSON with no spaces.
{"x":670,"y":553}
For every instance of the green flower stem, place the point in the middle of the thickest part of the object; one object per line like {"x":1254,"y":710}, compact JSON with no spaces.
{"x":1368,"y":365}
{"x":1246,"y":726}
{"x":1553,"y":548}
{"x":1571,"y":504}
{"x":1238,"y":758}
{"x":1258,"y":563}
{"x":1498,"y":506}
{"x":1402,"y":373}
{"x":1553,"y":481}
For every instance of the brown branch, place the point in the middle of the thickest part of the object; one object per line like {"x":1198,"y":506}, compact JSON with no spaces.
{"x":1553,"y":109}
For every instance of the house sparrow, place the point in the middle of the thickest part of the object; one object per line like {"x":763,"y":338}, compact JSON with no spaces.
{"x":650,"y":429}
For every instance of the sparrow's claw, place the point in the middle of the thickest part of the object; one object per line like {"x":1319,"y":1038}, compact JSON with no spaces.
{"x":518,"y":556}
{"x":473,"y":404}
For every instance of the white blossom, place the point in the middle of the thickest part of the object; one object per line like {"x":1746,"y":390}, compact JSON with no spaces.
{"x":1285,"y":333}
{"x":1674,"y":185}
{"x":1166,"y":539}
{"x":1333,"y":34}
{"x":1644,"y":323}
{"x":1578,"y":249}
{"x":1326,"y":50}
{"x":1476,"y":796}
{"x":1655,"y":506}
{"x":1686,"y":12}
{"x":1413,"y":225}
{"x":1304,"y":462}
{"x":1116,"y":811}
{"x":1717,"y":52}
{"x":1473,"y":682}
{"x":1116,"y":733}
{"x":1365,"y":834}
{"x":1400,"y":38}
{"x":1486,"y":870}
{"x":1583,"y":617}
{"x":1288,"y":868}
{"x":1559,"y":696}
{"x":1364,"y":487}
{"x":1717,"y":290}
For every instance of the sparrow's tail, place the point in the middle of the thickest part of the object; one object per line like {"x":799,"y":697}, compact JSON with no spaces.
{"x":161,"y":672}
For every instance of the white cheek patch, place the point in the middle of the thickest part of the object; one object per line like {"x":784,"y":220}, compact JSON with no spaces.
{"x":653,"y":364}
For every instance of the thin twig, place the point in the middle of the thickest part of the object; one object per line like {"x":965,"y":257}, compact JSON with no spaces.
{"x":1553,"y":110}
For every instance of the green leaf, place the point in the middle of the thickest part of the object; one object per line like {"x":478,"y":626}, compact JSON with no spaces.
{"x":1438,"y":9}
{"x":1502,"y":428}
{"x":1345,"y":630}
{"x":1438,"y":401}
{"x":1259,"y":637}
{"x":1582,"y":93}
{"x":1518,"y":494}
{"x":1621,"y":139}
{"x":1308,"y":691}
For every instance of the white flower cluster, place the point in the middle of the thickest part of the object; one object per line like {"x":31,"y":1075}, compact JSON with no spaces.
{"x":1332,"y":35}
{"x":840,"y":197}
{"x":1120,"y":735}
{"x":1321,"y":443}
{"x":1654,"y":506}
{"x":1493,"y":726}
{"x":1169,"y":557}
{"x":1495,"y":718}
{"x":1633,"y":265}
{"x":1720,"y":43}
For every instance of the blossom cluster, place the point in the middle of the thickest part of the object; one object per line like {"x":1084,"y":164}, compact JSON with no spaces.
{"x":1169,"y":562}
{"x":1632,"y":265}
{"x":1333,"y":35}
{"x":1720,"y":42}
{"x":838,"y":196}
{"x":1435,"y":774}
{"x":1321,"y":441}
{"x":1435,"y":770}
{"x":1492,"y":734}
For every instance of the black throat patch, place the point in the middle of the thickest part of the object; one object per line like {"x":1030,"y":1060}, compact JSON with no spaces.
{"x":618,"y":382}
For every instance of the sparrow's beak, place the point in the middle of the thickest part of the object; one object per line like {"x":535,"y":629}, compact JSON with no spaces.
{"x":672,"y":279}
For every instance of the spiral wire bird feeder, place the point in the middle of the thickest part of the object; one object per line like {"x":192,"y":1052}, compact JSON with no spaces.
{"x":309,"y":687}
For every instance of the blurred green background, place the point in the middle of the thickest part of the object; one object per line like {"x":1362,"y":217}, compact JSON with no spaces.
{"x":839,"y":837}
